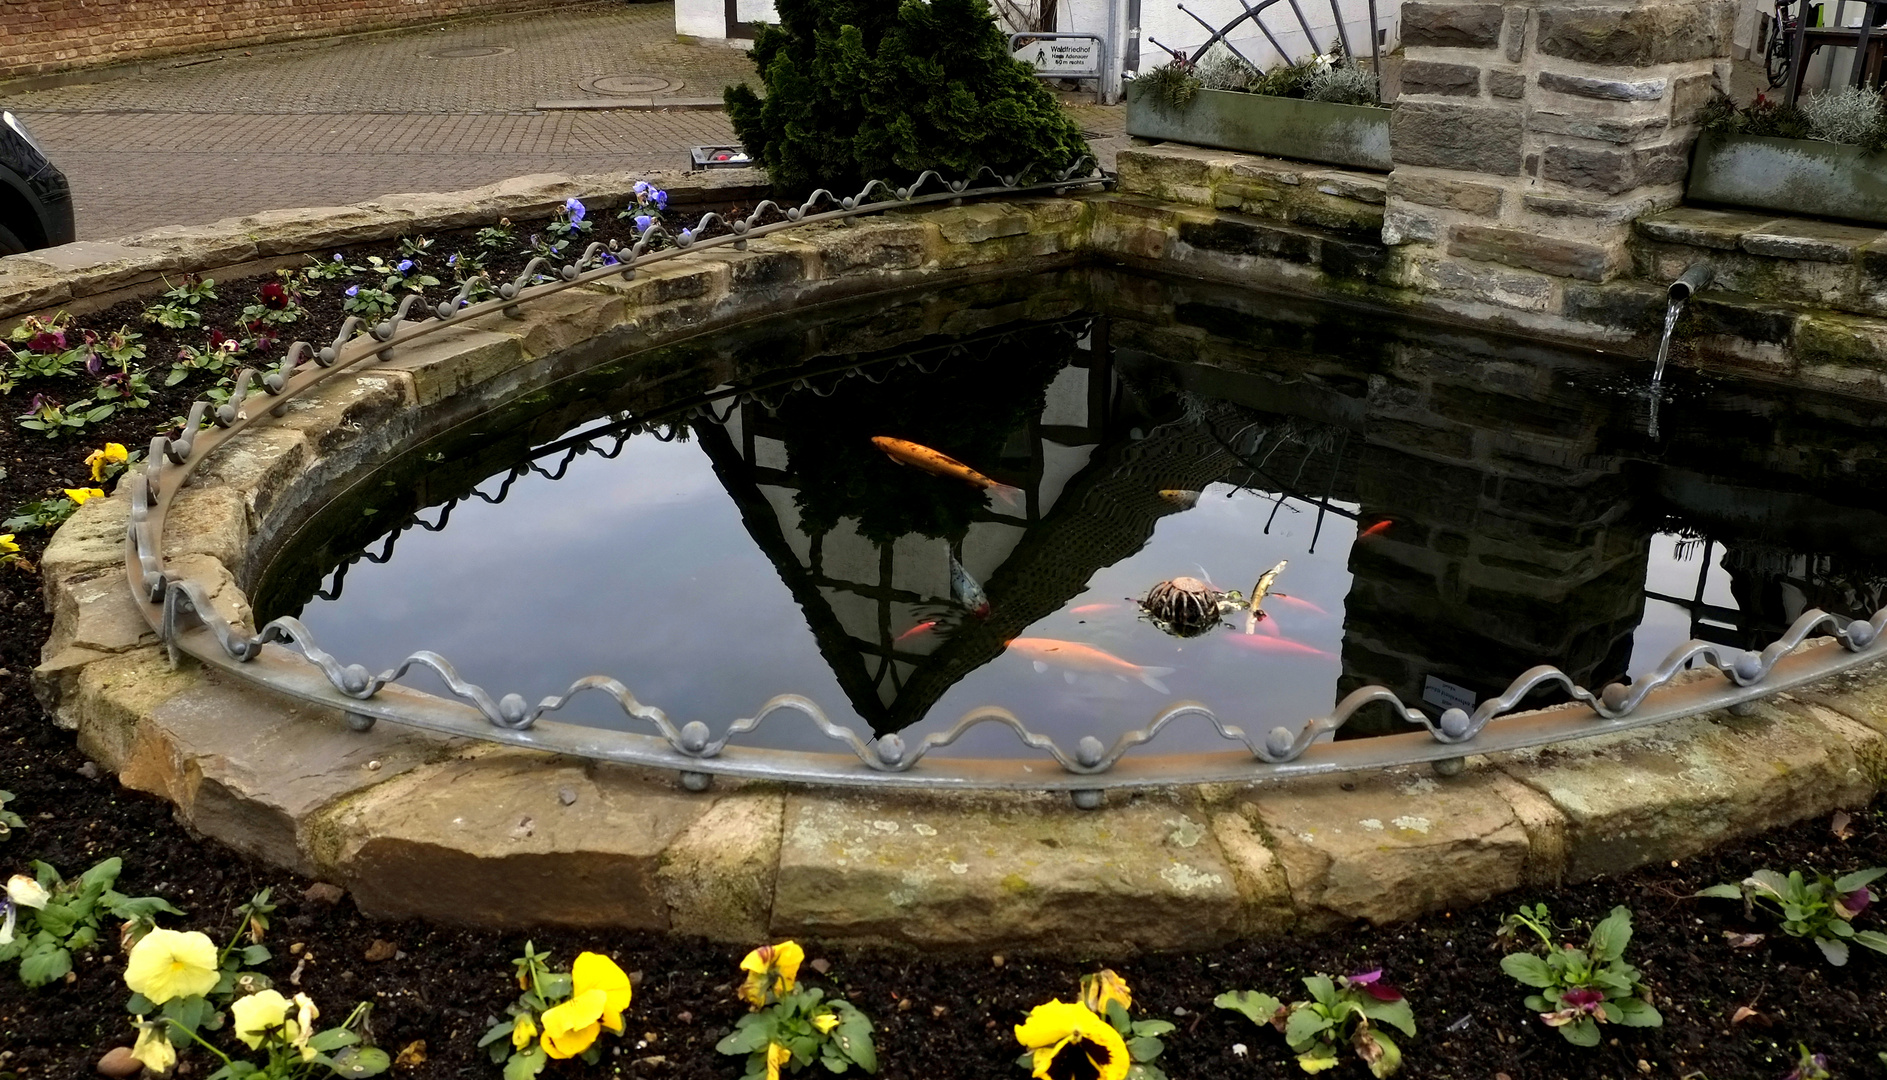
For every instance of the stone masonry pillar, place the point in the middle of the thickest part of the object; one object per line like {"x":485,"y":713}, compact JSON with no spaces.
{"x":1529,"y":134}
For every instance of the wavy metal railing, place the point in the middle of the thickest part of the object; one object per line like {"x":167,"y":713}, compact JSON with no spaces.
{"x":285,"y":657}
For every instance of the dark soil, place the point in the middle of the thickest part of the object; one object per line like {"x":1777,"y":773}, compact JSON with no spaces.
{"x":938,"y":1017}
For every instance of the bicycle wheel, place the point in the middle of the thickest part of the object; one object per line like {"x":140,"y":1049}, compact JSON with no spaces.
{"x":1778,"y":59}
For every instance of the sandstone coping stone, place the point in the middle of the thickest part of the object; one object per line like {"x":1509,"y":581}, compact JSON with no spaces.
{"x":453,"y":833}
{"x":1513,"y":247}
{"x":1027,"y":868}
{"x":1389,"y":846}
{"x":1464,"y":195}
{"x":1700,"y":227}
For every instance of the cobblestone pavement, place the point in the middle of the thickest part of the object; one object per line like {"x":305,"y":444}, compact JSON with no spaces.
{"x":344,"y":120}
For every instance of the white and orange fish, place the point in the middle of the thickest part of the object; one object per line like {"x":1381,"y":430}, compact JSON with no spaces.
{"x":1092,"y":609}
{"x":1073,"y":656}
{"x":1280,"y":644}
{"x":965,"y":590}
{"x":1258,"y":593}
{"x":937,"y":463}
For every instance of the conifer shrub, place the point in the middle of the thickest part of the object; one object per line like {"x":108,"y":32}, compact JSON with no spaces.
{"x":861,"y":90}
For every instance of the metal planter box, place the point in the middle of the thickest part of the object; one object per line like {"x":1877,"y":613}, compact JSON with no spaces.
{"x":1355,"y":136}
{"x":1796,"y":176}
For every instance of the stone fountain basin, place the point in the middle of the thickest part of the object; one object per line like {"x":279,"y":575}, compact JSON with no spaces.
{"x":454,"y":831}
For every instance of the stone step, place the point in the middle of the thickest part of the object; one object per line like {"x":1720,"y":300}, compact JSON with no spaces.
{"x":1780,"y":259}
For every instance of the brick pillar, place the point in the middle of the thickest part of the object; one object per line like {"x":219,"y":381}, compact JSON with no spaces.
{"x":1530,"y":134}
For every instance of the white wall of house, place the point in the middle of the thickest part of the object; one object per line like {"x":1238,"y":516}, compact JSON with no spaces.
{"x":1161,"y":22}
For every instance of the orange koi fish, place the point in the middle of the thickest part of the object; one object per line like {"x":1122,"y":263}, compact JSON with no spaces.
{"x":1278,"y":644}
{"x":923,"y":458}
{"x":1091,"y":609}
{"x":920,"y":628}
{"x":1298,"y":602}
{"x":1377,"y":529}
{"x":1075,"y":656}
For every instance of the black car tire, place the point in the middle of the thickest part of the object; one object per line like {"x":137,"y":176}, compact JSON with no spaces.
{"x":11,"y":244}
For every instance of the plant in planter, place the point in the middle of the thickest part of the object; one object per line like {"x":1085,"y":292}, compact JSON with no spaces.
{"x":1580,"y":988}
{"x":1348,"y":1011}
{"x":861,"y":90}
{"x":1822,"y":910}
{"x":1819,"y":156}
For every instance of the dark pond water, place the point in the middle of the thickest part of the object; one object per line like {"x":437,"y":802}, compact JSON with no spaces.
{"x":713,"y":524}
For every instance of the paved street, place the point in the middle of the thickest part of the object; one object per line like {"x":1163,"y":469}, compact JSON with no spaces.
{"x":432,"y":109}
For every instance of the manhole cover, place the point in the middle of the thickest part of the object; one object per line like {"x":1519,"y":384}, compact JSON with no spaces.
{"x":629,"y":85}
{"x":468,"y":52}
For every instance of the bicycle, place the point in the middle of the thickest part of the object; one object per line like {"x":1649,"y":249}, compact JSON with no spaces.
{"x":1779,"y":57}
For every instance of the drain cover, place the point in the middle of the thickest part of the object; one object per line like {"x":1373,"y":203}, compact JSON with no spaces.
{"x":468,"y":52}
{"x":629,"y":85}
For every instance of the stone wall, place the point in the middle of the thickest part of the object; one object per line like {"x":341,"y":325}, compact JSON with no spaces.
{"x":43,"y":36}
{"x":1529,"y":135}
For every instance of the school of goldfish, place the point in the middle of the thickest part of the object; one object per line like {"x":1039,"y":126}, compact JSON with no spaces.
{"x":1261,"y":631}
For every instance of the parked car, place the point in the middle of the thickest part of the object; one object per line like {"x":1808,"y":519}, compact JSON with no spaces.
{"x":35,"y":200}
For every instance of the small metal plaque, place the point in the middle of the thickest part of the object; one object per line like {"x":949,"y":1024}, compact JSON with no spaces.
{"x":1446,"y":695}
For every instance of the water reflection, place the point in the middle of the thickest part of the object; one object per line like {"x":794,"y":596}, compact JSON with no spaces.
{"x":1453,"y":509}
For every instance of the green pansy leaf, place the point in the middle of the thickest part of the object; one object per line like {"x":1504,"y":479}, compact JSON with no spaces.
{"x":1872,"y":939}
{"x":56,"y":919}
{"x":1305,"y":1024}
{"x":41,"y":966}
{"x":526,"y":1064}
{"x":1528,"y":970}
{"x":1117,"y":1017}
{"x":1394,"y":1013}
{"x":235,"y":1070}
{"x":139,"y":1005}
{"x":1538,"y":1003}
{"x":854,"y":1035}
{"x":1322,"y":990}
{"x":1318,"y":1058}
{"x":1139,"y":1071}
{"x":47,"y":877}
{"x":1610,"y":937}
{"x":1637,"y":1012}
{"x":495,"y":1032}
{"x":82,"y":938}
{"x":1153,"y":1027}
{"x":1581,"y":1032}
{"x":102,"y":875}
{"x":1144,"y":1048}
{"x":190,"y":1013}
{"x":1721,"y":892}
{"x":253,"y":955}
{"x":1835,"y":950}
{"x":751,"y":1035}
{"x":335,"y":1038}
{"x":1027,"y":1060}
{"x":1391,"y":1058}
{"x":1258,"y":1008}
{"x":360,"y":1061}
{"x":1847,"y":883}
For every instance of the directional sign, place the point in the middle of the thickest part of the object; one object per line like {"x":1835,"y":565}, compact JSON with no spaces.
{"x":1061,"y":57}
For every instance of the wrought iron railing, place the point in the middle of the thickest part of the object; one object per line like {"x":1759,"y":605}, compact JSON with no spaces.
{"x":284,"y":656}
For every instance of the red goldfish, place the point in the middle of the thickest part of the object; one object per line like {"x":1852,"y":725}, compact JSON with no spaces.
{"x":1377,"y":529}
{"x":1091,"y":609}
{"x":1075,"y":656}
{"x":905,"y":452}
{"x":920,"y":628}
{"x":1298,"y":602}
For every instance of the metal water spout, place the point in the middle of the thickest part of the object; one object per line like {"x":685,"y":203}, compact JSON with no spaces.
{"x":1687,"y":283}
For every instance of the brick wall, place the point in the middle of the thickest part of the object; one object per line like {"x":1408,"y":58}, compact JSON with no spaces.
{"x":42,"y":36}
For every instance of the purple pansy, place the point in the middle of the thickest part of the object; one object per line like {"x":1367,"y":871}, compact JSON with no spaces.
{"x":1854,"y":903}
{"x":353,"y":290}
{"x":406,"y":266}
{"x":337,"y":257}
{"x":454,"y":260}
{"x":642,"y":222}
{"x":1575,"y":1005}
{"x":641,"y":188}
{"x":1370,"y":982}
{"x":576,"y":208}
{"x":661,"y":199}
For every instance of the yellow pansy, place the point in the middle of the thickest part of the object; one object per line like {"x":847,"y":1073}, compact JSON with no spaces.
{"x":522,"y":1033}
{"x":571,"y":1027}
{"x":7,"y":546}
{"x":777,"y":1056}
{"x":1067,"y":1040}
{"x":594,"y":971}
{"x":257,"y":1015}
{"x":781,"y":960}
{"x":100,"y":460}
{"x":168,"y":964}
{"x":825,"y":1022}
{"x":79,"y":496}
{"x":153,"y":1049}
{"x":1102,"y":987}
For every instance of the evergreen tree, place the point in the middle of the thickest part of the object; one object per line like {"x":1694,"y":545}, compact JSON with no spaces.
{"x":860,"y":90}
